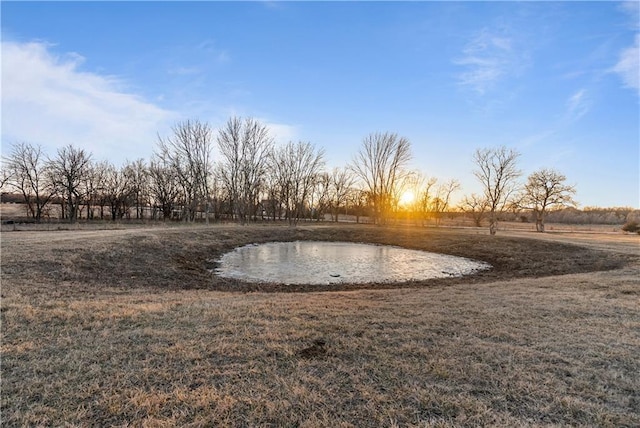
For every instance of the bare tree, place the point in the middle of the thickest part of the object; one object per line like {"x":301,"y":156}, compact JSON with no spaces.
{"x":295,"y":167}
{"x":341,"y":186}
{"x":163,"y":186}
{"x":320,"y":201}
{"x":440,"y":204}
{"x":380,"y":164}
{"x":245,"y":147}
{"x":137,"y":176}
{"x":188,"y":152}
{"x":272,"y":205}
{"x":405,"y":184}
{"x":425,"y":197}
{"x":68,"y":173}
{"x":5,"y":177}
{"x":97,"y":186}
{"x":25,"y":169}
{"x":117,"y":190}
{"x":358,"y":200}
{"x":475,"y":205}
{"x":216,"y":195}
{"x":498,"y":173}
{"x":546,"y":190}
{"x":91,"y":190}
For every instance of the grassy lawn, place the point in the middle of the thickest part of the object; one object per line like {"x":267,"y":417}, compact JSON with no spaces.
{"x":129,"y":328}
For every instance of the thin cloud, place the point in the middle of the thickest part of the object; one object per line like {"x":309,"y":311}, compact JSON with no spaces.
{"x":632,"y":8}
{"x":487,"y":59}
{"x":578,"y":105}
{"x":210,"y":47}
{"x":628,"y":66}
{"x":49,"y":100}
{"x":537,"y":138}
{"x":281,"y":133}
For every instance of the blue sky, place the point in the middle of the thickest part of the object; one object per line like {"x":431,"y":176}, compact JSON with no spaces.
{"x":558,"y":81}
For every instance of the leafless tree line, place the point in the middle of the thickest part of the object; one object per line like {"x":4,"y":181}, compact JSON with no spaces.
{"x":253,"y":178}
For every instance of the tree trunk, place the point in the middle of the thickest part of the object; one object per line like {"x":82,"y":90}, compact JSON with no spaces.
{"x":493,"y":227}
{"x":493,"y":223}
{"x":73,"y":209}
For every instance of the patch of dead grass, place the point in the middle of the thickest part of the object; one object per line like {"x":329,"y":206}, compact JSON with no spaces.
{"x":499,"y":351}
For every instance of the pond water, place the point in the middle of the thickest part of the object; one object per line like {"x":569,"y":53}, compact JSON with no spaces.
{"x":319,"y":262}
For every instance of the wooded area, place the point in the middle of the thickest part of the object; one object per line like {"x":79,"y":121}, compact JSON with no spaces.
{"x":254,"y":179}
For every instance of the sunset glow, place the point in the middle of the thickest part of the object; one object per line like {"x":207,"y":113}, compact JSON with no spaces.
{"x":557,"y":82}
{"x":407,"y":198}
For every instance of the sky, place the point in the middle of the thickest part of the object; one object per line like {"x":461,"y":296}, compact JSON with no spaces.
{"x":556,"y":81}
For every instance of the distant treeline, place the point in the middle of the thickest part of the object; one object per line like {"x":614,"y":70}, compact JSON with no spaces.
{"x":253,"y":179}
{"x":594,"y":215}
{"x":584,"y":216}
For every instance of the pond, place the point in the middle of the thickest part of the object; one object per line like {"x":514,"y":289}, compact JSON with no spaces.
{"x":319,"y":262}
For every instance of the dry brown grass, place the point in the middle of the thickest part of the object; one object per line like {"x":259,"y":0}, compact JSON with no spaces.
{"x":127,"y":328}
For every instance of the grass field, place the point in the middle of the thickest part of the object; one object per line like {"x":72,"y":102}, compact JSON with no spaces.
{"x":129,"y":328}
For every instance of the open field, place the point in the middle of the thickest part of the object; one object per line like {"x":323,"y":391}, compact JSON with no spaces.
{"x":129,"y":328}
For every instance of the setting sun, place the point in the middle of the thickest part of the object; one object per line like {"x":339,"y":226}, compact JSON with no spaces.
{"x":407,"y":198}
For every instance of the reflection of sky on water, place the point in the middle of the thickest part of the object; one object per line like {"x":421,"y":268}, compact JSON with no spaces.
{"x":314,"y":262}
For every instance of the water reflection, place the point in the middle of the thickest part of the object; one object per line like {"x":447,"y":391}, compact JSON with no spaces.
{"x":314,"y":262}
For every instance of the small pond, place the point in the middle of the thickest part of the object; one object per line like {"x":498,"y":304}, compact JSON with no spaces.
{"x":319,"y":262}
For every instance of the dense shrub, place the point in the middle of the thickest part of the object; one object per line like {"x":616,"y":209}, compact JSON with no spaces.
{"x":631,"y":226}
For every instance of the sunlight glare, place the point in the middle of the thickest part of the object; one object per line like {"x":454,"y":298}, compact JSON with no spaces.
{"x":407,"y":198}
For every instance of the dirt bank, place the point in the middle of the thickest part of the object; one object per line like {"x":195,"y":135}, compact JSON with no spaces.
{"x":182,"y":258}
